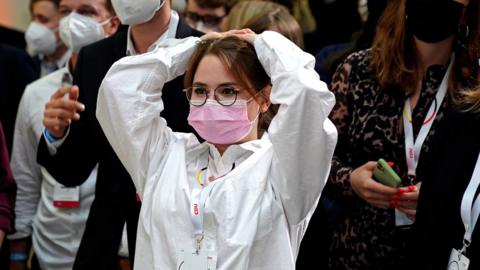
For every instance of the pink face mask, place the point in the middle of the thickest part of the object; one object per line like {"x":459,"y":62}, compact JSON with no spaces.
{"x":221,"y":124}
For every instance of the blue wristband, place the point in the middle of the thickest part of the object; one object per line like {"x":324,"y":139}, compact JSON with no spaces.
{"x":50,"y":138}
{"x":18,"y":256}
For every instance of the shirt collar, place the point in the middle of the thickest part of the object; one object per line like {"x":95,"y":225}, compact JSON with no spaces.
{"x":64,"y":59}
{"x":48,"y":68}
{"x":235,"y":154}
{"x":170,"y":33}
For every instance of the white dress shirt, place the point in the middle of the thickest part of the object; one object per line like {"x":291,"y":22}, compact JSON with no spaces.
{"x":257,"y":214}
{"x":56,"y":232}
{"x":48,"y":68}
{"x":170,"y":33}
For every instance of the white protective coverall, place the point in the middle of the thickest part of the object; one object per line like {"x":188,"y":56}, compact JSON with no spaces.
{"x":256,"y":215}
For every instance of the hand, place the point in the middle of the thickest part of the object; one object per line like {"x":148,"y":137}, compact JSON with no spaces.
{"x":59,"y":111}
{"x":18,"y":265}
{"x":365,"y":187}
{"x":408,"y":200}
{"x":245,"y":34}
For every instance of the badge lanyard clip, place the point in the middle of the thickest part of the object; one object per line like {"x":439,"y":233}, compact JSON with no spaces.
{"x":470,"y":209}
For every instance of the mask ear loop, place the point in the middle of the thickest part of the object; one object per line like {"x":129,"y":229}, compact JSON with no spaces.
{"x":259,"y":105}
{"x":104,"y":23}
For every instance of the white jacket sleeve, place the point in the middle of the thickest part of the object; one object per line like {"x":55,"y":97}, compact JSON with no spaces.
{"x":26,"y":171}
{"x":302,"y":136}
{"x":130,"y":101}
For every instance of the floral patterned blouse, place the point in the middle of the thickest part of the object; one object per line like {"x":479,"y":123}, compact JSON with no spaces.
{"x":369,"y":123}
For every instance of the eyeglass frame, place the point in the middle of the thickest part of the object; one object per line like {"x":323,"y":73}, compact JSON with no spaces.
{"x":207,"y":95}
{"x":195,"y":17}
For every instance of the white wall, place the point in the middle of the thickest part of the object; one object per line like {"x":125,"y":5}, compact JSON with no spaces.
{"x":15,"y":13}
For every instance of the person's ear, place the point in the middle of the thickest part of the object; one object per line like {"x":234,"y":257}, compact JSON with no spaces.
{"x":266,"y":99}
{"x":112,"y":26}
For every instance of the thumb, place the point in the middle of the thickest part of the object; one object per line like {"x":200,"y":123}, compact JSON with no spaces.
{"x":370,"y":165}
{"x":74,"y":93}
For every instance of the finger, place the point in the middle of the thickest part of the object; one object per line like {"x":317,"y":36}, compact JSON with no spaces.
{"x":376,"y":187}
{"x":408,"y":212}
{"x":60,"y":93}
{"x":238,"y":31}
{"x":74,"y":93}
{"x":371,"y":195}
{"x":379,"y":204}
{"x":407,"y":204}
{"x":60,"y":113}
{"x":409,"y":196}
{"x":371,"y":165}
{"x":211,"y":35}
{"x":65,"y":104}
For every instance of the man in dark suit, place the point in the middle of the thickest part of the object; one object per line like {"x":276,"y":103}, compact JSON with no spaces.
{"x":85,"y":144}
{"x":16,"y":71}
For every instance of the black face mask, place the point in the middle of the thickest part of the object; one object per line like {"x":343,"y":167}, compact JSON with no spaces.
{"x":432,"y":21}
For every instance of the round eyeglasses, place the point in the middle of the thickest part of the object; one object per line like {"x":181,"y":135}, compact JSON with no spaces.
{"x":224,"y":95}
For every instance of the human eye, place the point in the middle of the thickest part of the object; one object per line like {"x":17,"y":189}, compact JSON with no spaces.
{"x":87,"y":11}
{"x":64,"y":11}
{"x":228,"y":91}
{"x":199,"y":90}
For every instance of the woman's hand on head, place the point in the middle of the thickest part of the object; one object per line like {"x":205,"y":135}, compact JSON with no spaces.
{"x":376,"y":194}
{"x":245,"y":34}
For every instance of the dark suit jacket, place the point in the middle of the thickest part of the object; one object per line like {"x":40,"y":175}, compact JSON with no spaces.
{"x":7,"y":188}
{"x":86,"y":145}
{"x":16,"y":71}
{"x":12,"y":37}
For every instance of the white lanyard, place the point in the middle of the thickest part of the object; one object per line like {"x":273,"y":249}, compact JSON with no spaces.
{"x":414,"y":147}
{"x":199,"y":197}
{"x":200,"y":192}
{"x":470,"y":210}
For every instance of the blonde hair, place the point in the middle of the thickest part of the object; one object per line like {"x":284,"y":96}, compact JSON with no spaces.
{"x":260,"y":16}
{"x":472,"y":100}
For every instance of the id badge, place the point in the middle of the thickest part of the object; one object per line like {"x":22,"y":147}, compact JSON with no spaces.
{"x":401,"y":219}
{"x":65,"y":197}
{"x":194,"y":261}
{"x":458,"y":261}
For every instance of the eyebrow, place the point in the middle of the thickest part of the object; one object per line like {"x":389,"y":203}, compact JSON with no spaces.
{"x":222,"y":84}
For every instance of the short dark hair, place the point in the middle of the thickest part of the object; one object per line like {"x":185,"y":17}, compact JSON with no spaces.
{"x":55,"y":2}
{"x":227,"y":4}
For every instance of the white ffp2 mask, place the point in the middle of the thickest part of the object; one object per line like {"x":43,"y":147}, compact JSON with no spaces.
{"x":40,"y":39}
{"x":77,"y":31}
{"x":136,"y":12}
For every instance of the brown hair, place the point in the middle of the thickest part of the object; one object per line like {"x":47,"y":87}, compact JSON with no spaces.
{"x":55,"y":2}
{"x":227,"y":4}
{"x":109,"y":6}
{"x":472,"y":100}
{"x":241,"y":60}
{"x":394,"y":58}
